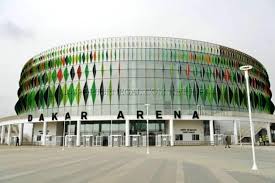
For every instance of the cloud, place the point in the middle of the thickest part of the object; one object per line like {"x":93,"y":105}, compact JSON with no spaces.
{"x":10,"y":29}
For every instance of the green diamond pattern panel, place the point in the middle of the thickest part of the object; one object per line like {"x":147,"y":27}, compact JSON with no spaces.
{"x":72,"y":73}
{"x":188,"y":92}
{"x":86,"y":92}
{"x":101,"y":91}
{"x":172,"y":92}
{"x":46,"y":97}
{"x":86,"y":71}
{"x":94,"y":70}
{"x":58,"y":95}
{"x":71,"y":94}
{"x":196,"y":92}
{"x":65,"y":94}
{"x":66,"y":74}
{"x":93,"y":92}
{"x":110,"y":93}
{"x":203,"y":93}
{"x":51,"y":96}
{"x":54,"y":76}
{"x":78,"y":93}
{"x":169,"y":73}
{"x":79,"y":72}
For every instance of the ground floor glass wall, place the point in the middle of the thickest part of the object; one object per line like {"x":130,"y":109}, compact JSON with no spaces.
{"x":101,"y":128}
{"x":139,"y":127}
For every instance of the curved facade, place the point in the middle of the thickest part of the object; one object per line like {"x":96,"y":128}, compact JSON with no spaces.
{"x":104,"y":76}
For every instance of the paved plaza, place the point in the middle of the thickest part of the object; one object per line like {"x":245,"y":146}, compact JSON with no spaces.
{"x":120,"y":164}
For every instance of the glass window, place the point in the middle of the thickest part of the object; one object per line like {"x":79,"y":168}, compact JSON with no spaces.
{"x":115,"y":128}
{"x":160,"y":52}
{"x":113,"y":54}
{"x":143,"y":54}
{"x":89,"y":128}
{"x":115,"y":108}
{"x":109,"y":55}
{"x":179,"y":137}
{"x":195,"y":137}
{"x":105,"y":127}
{"x":126,"y":54}
{"x":130,"y":54}
{"x":134,"y":53}
{"x":152,"y":53}
{"x":150,"y":74}
{"x":150,"y":65}
{"x":156,"y":54}
{"x":123,"y":73}
{"x":133,"y":65}
{"x":50,"y":138}
{"x":38,"y":138}
{"x":152,"y":127}
{"x":95,"y":128}
{"x":139,"y":54}
{"x":122,"y":54}
{"x":141,"y":65}
{"x":132,"y":72}
{"x":159,"y":65}
{"x":122,"y":127}
{"x":147,"y":54}
{"x":140,"y":73}
{"x":165,"y":54}
{"x":117,"y":55}
{"x":123,"y":65}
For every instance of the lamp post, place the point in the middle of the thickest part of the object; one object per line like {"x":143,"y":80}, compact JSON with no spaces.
{"x":246,"y":68}
{"x":63,"y":135}
{"x":147,"y":144}
{"x":111,"y":133}
{"x":240,"y":133}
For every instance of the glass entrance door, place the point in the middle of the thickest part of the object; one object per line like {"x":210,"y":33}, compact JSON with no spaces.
{"x":105,"y":141}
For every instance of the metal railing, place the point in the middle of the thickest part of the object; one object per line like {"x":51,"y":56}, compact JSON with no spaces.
{"x":135,"y":140}
{"x":162,"y":140}
{"x":88,"y":140}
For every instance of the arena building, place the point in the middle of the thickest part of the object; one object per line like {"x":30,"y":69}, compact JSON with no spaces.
{"x":94,"y":93}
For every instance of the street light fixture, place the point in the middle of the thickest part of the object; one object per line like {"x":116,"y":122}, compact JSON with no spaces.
{"x":147,"y":144}
{"x":246,"y":68}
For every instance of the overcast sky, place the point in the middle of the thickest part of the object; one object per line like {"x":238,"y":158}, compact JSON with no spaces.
{"x":32,"y":26}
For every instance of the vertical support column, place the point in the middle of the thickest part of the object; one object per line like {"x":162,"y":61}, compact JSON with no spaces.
{"x":235,"y":132}
{"x":78,"y":133}
{"x":9,"y":135}
{"x":268,"y":132}
{"x":211,"y":129}
{"x":171,"y":131}
{"x":127,"y":133}
{"x":44,"y":133}
{"x":20,"y":133}
{"x":110,"y":142}
{"x":2,"y":134}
